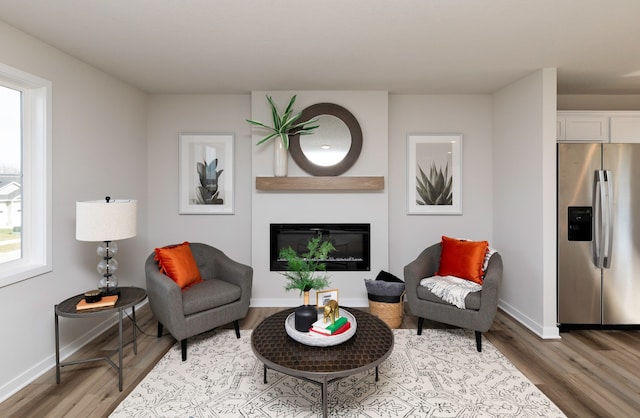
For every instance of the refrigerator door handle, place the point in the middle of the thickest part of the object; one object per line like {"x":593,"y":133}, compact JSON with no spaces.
{"x":607,"y":219}
{"x":598,"y":203}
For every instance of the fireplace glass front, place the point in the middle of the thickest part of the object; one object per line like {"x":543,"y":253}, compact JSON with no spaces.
{"x":352,"y":243}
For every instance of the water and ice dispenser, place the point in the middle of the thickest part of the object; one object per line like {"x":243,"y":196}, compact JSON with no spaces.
{"x":580,"y":223}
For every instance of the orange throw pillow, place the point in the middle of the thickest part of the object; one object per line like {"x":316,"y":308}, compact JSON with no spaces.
{"x":462,"y":259}
{"x":177,"y":262}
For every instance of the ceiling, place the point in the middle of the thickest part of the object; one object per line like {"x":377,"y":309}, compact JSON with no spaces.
{"x":402,"y":46}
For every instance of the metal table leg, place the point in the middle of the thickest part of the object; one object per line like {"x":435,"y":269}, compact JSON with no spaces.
{"x":120,"y":349}
{"x":57,"y":345}
{"x":325,"y":409}
{"x":135,"y":341}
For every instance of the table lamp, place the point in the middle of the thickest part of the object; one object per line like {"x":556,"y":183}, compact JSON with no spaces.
{"x":106,"y":220}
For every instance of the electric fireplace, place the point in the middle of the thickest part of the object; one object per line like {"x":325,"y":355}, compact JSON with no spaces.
{"x":352,"y":243}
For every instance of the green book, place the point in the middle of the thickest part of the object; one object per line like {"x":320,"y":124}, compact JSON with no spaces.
{"x":339,"y":322}
{"x":327,"y":326}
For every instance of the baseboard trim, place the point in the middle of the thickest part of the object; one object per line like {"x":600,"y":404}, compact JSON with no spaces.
{"x":546,"y":333}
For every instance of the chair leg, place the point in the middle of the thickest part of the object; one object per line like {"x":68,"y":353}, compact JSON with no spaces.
{"x":236,"y":325}
{"x":183,"y":345}
{"x":479,"y":341}
{"x":159,"y":329}
{"x":420,"y":324}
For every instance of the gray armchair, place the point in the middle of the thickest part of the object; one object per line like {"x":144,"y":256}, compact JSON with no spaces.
{"x":222,"y":297}
{"x":481,"y":306}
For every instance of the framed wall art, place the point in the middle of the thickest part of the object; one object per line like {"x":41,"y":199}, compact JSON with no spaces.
{"x":324,"y":296}
{"x":434,"y":174}
{"x":206,"y":173}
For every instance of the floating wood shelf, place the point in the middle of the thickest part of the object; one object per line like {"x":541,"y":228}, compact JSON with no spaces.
{"x":320,"y":183}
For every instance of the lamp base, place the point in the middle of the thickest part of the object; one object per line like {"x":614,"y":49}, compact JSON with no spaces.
{"x":108,"y":284}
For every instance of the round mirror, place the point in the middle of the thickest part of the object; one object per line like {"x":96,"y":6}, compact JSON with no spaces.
{"x":330,"y":142}
{"x":333,"y":147}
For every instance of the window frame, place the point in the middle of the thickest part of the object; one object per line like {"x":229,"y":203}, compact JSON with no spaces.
{"x":36,"y":229}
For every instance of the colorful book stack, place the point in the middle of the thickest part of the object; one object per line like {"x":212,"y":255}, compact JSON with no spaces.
{"x":327,"y":328}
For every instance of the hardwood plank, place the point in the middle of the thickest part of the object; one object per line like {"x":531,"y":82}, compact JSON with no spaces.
{"x":585,"y":373}
{"x":601,"y":402}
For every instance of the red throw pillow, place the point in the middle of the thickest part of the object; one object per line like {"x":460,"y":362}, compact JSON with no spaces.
{"x":462,"y":259}
{"x":177,"y":262}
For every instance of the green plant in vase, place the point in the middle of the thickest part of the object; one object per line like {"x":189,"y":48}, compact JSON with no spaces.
{"x":302,"y":269}
{"x":284,"y":124}
{"x":302,"y":275}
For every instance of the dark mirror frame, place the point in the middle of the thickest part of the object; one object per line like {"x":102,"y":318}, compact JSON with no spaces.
{"x":356,"y":140}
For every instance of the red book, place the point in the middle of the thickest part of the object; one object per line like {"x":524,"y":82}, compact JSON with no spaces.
{"x":342,"y":329}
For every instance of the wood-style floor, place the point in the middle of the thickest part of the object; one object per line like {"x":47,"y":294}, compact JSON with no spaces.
{"x":586,"y":373}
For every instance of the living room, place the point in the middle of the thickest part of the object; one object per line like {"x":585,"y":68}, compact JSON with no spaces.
{"x":113,"y":138}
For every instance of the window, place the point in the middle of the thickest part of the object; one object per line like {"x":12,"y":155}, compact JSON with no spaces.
{"x":25,"y":175}
{"x":10,"y":174}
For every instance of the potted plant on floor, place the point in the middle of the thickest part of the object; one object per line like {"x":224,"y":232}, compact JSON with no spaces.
{"x":283,"y":125}
{"x":302,"y":275}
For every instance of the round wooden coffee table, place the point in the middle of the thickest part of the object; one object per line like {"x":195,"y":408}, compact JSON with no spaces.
{"x":368,"y":348}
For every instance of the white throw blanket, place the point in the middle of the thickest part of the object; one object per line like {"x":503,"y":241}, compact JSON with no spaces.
{"x":450,"y":288}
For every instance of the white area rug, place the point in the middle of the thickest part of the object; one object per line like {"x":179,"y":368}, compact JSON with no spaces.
{"x":437,"y":374}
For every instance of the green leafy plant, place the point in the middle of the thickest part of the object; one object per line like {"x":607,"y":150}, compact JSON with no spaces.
{"x":436,"y":189}
{"x":284,"y":124}
{"x":301,"y":269}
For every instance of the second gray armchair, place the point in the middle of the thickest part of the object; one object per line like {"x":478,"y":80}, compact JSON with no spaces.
{"x":481,"y":306}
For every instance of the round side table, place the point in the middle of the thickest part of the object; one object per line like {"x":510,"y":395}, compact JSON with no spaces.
{"x":129,"y":298}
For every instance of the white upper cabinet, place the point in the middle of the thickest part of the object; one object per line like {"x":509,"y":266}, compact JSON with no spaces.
{"x":625,"y":128}
{"x":583,"y":126}
{"x":592,"y":126}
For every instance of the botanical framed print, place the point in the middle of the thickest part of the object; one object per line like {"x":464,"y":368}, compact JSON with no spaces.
{"x":434,"y":174}
{"x":324,"y":296}
{"x":206,"y":173}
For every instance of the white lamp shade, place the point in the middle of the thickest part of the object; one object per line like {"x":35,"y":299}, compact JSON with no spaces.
{"x":97,"y":220}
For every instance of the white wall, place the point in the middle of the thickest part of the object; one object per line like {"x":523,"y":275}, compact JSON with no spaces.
{"x":397,"y":237}
{"x":99,"y":149}
{"x":469,"y":115}
{"x":371,"y":111}
{"x":524,"y":172}
{"x":168,"y":116}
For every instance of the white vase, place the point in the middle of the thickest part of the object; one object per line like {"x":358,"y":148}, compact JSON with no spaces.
{"x":280,"y":158}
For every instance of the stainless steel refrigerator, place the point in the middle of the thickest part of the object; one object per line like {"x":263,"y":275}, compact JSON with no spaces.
{"x":598,"y":234}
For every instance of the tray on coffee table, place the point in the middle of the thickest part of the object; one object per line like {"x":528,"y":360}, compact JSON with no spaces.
{"x":317,"y":340}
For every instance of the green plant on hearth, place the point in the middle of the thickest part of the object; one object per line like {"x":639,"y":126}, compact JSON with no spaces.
{"x":302,"y":269}
{"x":284,"y":124}
{"x":436,"y":189}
